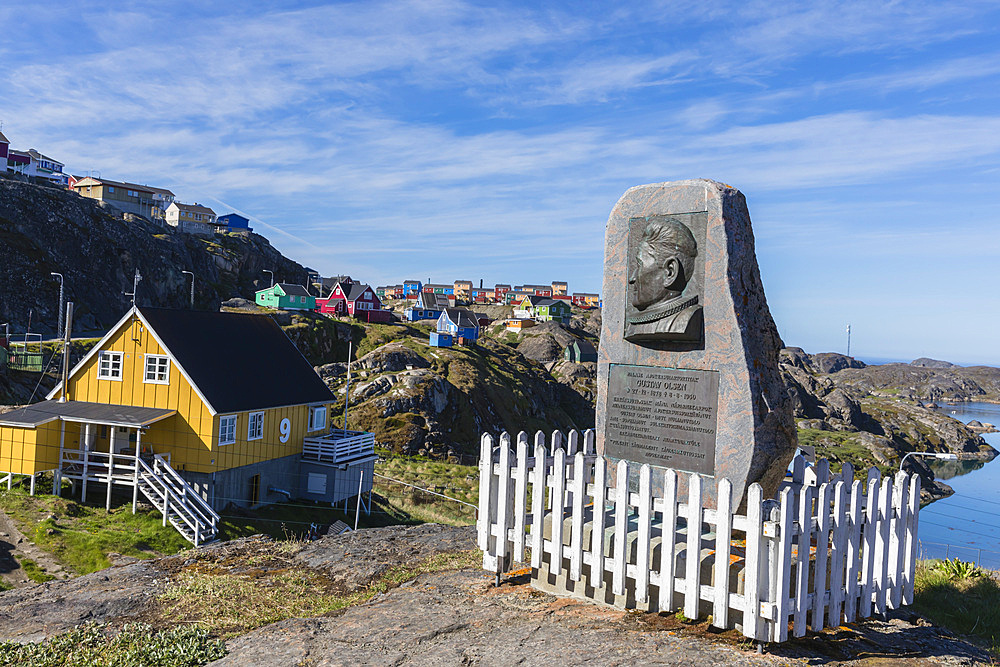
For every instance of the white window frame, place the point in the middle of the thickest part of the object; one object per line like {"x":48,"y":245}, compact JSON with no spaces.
{"x":156,"y":359}
{"x":314,"y":411}
{"x":113,"y":358}
{"x":255,"y":426}
{"x":227,"y":429}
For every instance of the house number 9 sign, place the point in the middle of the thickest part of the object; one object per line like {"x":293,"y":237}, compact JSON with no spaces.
{"x":285,"y":429}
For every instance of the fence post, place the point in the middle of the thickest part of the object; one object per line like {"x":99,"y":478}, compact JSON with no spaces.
{"x":692,"y":579}
{"x":487,"y":497}
{"x":783,"y":570}
{"x":621,"y":526}
{"x":753,"y":625}
{"x":837,"y":553}
{"x":597,"y":530}
{"x":504,"y":505}
{"x":853,"y":549}
{"x":538,"y":484}
{"x":520,"y":495}
{"x":822,"y":556}
{"x":897,"y":539}
{"x":911,"y":540}
{"x":668,"y":540}
{"x":871,"y":527}
{"x":723,"y":544}
{"x":802,"y":565}
{"x":882,"y":544}
{"x":576,"y":537}
{"x":643,"y":535}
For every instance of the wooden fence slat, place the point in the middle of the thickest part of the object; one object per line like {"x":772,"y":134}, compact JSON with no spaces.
{"x":558,"y":507}
{"x":897,"y":537}
{"x":753,"y":624}
{"x":822,"y":472}
{"x":520,"y":495}
{"x":589,"y":442}
{"x":643,"y":535}
{"x":784,"y":565}
{"x":909,"y":564}
{"x":723,"y":546}
{"x":597,"y":531}
{"x":576,"y":538}
{"x":868,"y":552}
{"x":558,"y":441}
{"x":668,"y":538}
{"x":538,"y":482}
{"x":853,"y":549}
{"x":621,"y":535}
{"x":503,"y":501}
{"x":692,"y":577}
{"x":822,"y":544}
{"x":574,"y":442}
{"x":485,"y":478}
{"x":838,"y":551}
{"x":802,"y":561}
{"x":882,"y":544}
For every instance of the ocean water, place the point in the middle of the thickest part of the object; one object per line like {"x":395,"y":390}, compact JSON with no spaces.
{"x":967,"y":524}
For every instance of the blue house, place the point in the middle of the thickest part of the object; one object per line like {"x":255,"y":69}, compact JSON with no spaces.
{"x":459,"y":322}
{"x":426,"y":307}
{"x":233,"y":222}
{"x":441,"y":339}
{"x":411,"y":288}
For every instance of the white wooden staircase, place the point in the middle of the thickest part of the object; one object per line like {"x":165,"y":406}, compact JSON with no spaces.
{"x":179,"y":503}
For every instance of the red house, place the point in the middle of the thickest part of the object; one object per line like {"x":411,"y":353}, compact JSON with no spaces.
{"x":356,"y":300}
{"x":4,"y":144}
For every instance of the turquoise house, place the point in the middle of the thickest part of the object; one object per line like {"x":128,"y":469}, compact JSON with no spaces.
{"x":286,"y":296}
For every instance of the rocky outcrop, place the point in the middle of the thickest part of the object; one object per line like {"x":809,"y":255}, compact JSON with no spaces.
{"x":43,"y":229}
{"x":925,"y":362}
{"x":876,"y":423}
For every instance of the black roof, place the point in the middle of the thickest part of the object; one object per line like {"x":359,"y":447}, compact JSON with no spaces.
{"x":239,"y":361}
{"x":462,"y":317}
{"x":293,"y":290}
{"x":354,"y":291}
{"x":584,"y":346}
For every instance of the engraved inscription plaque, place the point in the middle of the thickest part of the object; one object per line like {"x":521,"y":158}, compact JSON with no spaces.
{"x":662,"y":416}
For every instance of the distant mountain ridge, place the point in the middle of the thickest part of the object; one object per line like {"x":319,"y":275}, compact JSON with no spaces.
{"x":44,"y":229}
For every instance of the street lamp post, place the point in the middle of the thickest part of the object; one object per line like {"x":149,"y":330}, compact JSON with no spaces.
{"x":932,"y":455}
{"x":59,"y":326}
{"x":272,"y":275}
{"x":192,"y":287}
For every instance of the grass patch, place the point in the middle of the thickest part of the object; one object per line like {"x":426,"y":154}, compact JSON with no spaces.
{"x":34,"y":572}
{"x":839,"y":447}
{"x":450,"y":479}
{"x":230,"y":604}
{"x":81,"y":536}
{"x":132,"y":644}
{"x":963,"y":599}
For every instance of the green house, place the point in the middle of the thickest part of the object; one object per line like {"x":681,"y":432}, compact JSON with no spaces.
{"x":286,"y":296}
{"x":543,"y":309}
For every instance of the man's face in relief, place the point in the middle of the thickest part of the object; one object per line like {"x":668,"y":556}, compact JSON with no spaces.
{"x":652,"y":277}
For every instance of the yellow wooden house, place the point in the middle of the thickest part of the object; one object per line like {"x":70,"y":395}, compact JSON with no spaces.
{"x":221,"y":409}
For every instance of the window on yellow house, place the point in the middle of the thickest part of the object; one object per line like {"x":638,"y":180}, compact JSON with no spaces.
{"x":255,"y":429}
{"x":227,"y":430}
{"x":317,"y":418}
{"x":109,"y":366}
{"x":157,"y":369}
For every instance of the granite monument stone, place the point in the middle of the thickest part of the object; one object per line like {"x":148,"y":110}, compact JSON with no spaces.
{"x":687,"y":374}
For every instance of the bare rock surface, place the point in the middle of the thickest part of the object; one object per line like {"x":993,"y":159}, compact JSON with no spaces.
{"x":459,"y":618}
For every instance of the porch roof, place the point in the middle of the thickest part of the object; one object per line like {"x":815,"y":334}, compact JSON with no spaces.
{"x":84,"y":412}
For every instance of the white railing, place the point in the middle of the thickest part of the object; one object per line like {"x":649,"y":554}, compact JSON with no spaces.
{"x":830,"y":549}
{"x":338,"y":447}
{"x":179,"y":503}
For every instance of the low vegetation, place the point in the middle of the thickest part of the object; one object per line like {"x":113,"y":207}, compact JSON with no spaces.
{"x":839,"y":447}
{"x":236,"y":596}
{"x":81,"y":536}
{"x":961,"y":597}
{"x":126,"y":646}
{"x":455,"y":481}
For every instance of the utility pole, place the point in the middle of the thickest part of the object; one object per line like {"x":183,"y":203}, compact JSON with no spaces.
{"x":192,"y":287}
{"x":135,"y":287}
{"x":848,"y":340}
{"x":65,"y":360}
{"x":59,"y":326}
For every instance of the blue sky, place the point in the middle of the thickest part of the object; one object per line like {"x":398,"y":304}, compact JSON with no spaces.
{"x":445,"y":139}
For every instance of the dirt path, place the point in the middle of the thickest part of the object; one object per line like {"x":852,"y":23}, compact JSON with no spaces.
{"x":14,"y":547}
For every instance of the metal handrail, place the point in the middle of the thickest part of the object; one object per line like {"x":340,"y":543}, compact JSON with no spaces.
{"x":189,"y":491}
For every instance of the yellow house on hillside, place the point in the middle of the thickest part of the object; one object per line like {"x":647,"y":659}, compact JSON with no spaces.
{"x":220,"y":407}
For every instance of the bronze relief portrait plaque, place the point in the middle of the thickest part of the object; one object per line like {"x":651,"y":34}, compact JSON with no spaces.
{"x":666,"y":274}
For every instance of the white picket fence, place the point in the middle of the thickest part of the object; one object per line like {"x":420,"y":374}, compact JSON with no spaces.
{"x":828,"y":550}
